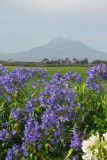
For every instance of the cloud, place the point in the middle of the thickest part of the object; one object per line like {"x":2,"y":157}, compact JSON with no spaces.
{"x":66,"y":6}
{"x":52,"y":7}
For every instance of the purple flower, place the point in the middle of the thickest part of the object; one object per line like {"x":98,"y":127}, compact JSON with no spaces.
{"x":97,"y":74}
{"x":73,"y":77}
{"x":14,"y":153}
{"x":76,"y":140}
{"x":4,"y":135}
{"x":13,"y":132}
{"x":3,"y":70}
{"x":18,"y":113}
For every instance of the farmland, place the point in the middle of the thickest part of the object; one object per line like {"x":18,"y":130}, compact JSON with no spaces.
{"x":53,"y":114}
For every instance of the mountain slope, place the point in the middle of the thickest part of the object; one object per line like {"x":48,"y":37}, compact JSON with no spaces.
{"x":59,"y":48}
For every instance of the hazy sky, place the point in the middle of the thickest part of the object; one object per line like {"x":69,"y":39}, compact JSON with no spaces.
{"x":25,"y":24}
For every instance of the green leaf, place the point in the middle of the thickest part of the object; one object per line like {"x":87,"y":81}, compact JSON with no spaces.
{"x":69,"y":153}
{"x":46,"y":147}
{"x":35,"y":158}
{"x":3,"y":144}
{"x":31,"y":155}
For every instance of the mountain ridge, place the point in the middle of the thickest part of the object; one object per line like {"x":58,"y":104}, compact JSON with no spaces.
{"x":59,"y":48}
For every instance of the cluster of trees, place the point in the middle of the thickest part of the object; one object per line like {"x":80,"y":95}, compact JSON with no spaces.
{"x":59,"y":62}
{"x":84,"y":61}
{"x":98,"y":62}
{"x":67,"y":61}
{"x":64,"y":61}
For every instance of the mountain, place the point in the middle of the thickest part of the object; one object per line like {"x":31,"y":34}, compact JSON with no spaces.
{"x":59,"y":48}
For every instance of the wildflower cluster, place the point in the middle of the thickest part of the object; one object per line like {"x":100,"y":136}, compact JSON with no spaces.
{"x":18,"y":79}
{"x":73,"y":77}
{"x":51,"y":121}
{"x":58,"y":116}
{"x":97,"y":74}
{"x":76,"y":140}
{"x":3,"y":72}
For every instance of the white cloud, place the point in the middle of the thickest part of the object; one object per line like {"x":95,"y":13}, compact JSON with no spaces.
{"x":54,"y":6}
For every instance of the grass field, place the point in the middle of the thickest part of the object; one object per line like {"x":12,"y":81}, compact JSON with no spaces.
{"x":63,"y":70}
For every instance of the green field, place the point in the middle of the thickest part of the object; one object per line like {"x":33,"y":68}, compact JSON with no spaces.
{"x":63,"y":70}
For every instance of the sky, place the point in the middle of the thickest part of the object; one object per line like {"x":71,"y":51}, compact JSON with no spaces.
{"x":26,"y":24}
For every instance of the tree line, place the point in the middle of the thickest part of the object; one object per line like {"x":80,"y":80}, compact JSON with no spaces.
{"x":68,"y":61}
{"x":54,"y":63}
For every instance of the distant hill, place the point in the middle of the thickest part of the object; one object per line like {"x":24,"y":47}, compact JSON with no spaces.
{"x":59,"y":48}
